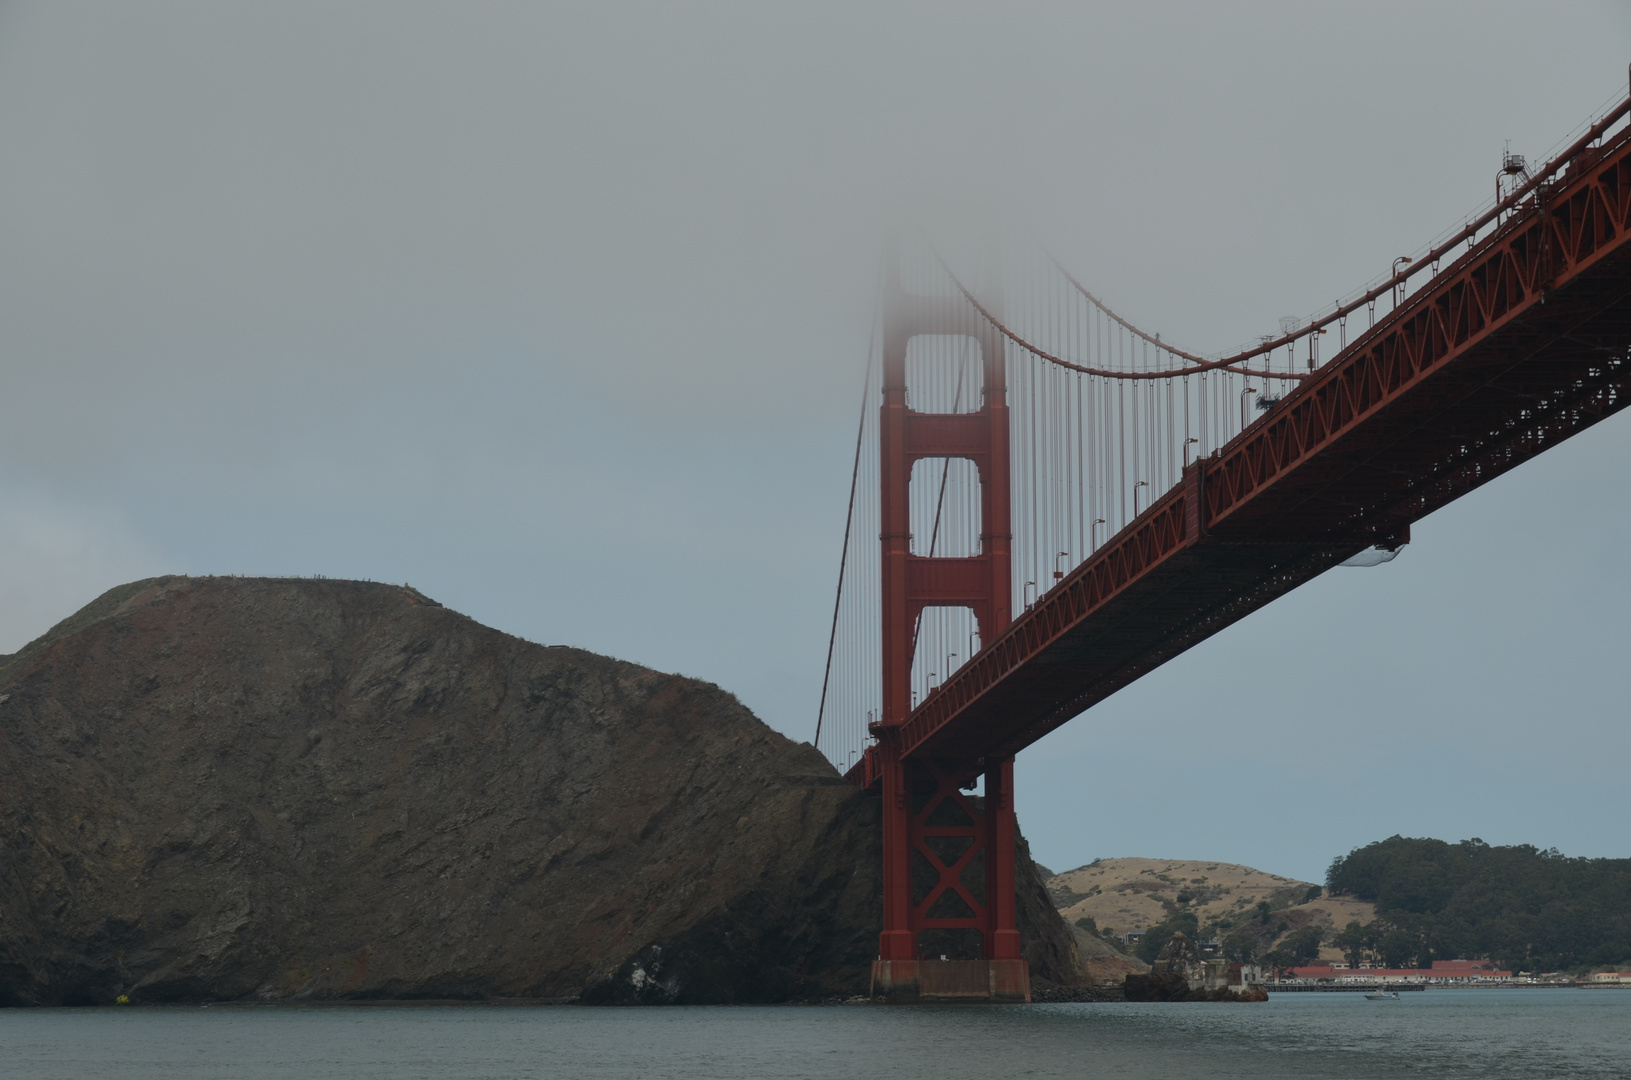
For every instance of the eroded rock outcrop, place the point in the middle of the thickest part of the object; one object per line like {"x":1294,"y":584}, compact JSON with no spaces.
{"x":282,"y":789}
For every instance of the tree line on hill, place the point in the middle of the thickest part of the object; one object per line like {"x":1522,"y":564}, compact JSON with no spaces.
{"x":1247,"y":936}
{"x":1242,"y":941}
{"x":1524,"y":908}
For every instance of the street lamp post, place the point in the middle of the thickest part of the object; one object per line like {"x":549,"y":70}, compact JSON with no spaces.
{"x":1398,"y":286}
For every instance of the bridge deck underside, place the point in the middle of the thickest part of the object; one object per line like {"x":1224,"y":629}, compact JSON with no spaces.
{"x":1421,"y":430}
{"x":1127,"y":637}
{"x":1475,"y":411}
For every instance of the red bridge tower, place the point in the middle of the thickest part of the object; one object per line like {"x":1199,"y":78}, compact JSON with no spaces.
{"x":936,"y":839}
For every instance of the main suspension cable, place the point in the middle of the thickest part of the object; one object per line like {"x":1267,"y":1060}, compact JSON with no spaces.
{"x":1108,"y":373}
{"x":1131,"y":327}
{"x":1267,"y":347}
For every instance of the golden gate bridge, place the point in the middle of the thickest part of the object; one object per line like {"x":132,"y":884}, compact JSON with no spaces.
{"x":1048,"y":501}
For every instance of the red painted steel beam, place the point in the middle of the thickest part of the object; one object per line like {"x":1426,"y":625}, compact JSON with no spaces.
{"x":1517,"y":345}
{"x":935,"y":435}
{"x":949,"y":581}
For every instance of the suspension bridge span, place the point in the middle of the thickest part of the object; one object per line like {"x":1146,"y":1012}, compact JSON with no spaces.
{"x":1063,"y":501}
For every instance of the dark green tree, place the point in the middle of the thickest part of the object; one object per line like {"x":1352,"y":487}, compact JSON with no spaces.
{"x":1398,"y":948}
{"x":1302,"y":946}
{"x":1353,"y":940}
{"x":1240,"y":947}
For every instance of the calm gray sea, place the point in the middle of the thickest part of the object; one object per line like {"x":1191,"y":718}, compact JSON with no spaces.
{"x":1435,"y":1034}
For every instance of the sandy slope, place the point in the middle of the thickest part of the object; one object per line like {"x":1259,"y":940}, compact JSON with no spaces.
{"x":1134,"y":894}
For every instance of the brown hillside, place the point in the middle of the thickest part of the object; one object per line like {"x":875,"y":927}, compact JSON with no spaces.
{"x":1105,"y":963}
{"x":1135,"y":894}
{"x":291,"y":789}
{"x":1121,"y":895}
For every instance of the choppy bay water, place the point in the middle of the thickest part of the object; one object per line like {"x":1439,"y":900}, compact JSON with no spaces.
{"x":1438,"y":1034}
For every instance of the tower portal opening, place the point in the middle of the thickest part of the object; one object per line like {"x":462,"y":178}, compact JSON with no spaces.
{"x":945,"y":508}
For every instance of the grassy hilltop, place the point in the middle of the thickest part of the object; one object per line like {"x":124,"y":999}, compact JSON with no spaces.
{"x":1250,"y":910}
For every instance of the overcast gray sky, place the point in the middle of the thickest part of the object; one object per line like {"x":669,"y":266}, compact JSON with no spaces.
{"x":559,"y":312}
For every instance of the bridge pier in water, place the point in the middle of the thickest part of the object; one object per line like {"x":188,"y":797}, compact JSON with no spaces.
{"x":946,"y":938}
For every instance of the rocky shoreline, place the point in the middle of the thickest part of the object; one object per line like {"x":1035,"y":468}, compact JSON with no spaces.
{"x":265,"y":790}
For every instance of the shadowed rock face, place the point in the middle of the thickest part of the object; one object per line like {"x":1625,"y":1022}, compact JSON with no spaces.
{"x":282,"y":789}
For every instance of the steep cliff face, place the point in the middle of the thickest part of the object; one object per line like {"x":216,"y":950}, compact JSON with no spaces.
{"x":282,"y":789}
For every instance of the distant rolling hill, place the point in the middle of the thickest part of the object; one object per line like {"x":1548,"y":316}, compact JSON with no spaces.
{"x":1122,"y":895}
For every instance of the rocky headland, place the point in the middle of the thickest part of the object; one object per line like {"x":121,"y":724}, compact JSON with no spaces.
{"x":281,"y":790}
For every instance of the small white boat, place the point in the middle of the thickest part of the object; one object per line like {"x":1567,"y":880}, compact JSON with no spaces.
{"x":1382,"y":995}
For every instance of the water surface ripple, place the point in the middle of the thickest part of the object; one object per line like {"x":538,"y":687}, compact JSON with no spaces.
{"x":1439,"y":1034}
